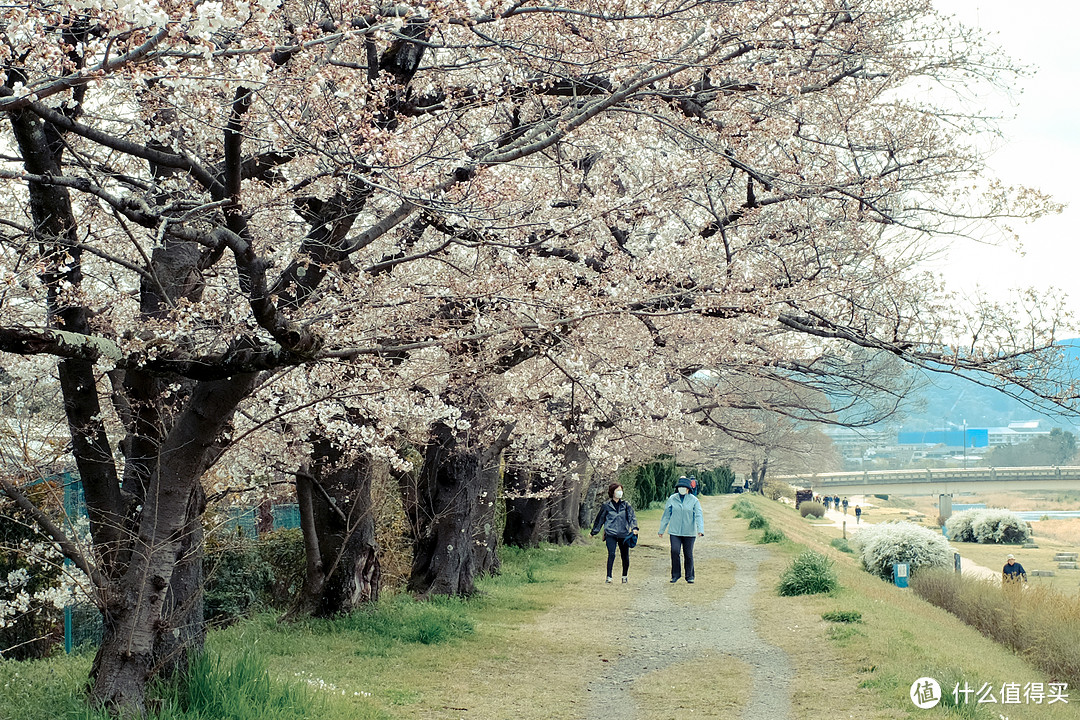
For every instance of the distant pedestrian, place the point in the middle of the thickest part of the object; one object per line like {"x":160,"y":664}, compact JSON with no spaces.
{"x":836,"y":502}
{"x":683,"y":513}
{"x":619,"y":523}
{"x":845,"y":506}
{"x":1013,"y":571}
{"x":858,"y":514}
{"x":826,"y":500}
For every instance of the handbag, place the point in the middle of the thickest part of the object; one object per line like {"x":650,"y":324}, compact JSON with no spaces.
{"x":631,"y":541}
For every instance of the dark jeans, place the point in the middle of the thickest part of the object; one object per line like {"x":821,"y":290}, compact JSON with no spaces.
{"x":686,"y":544}
{"x":624,"y":550}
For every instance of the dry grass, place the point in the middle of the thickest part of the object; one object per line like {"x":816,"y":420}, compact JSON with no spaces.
{"x":1038,"y":623}
{"x":712,"y":686}
{"x":1065,"y":531}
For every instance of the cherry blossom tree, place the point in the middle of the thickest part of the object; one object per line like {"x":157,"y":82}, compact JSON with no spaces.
{"x":444,"y":208}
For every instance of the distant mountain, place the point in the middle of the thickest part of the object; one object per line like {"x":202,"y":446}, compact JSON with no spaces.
{"x":948,"y":401}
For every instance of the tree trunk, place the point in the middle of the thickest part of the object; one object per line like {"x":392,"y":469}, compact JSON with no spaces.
{"x":451,"y":508}
{"x":137,"y":606}
{"x":544,"y":509}
{"x":527,"y":509}
{"x":343,"y":570}
{"x":182,"y":632}
{"x":564,"y":527}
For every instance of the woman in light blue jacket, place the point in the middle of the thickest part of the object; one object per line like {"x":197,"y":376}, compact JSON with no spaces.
{"x":683,"y":514}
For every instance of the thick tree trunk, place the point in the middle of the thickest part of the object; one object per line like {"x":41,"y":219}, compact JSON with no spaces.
{"x":451,"y":508}
{"x":137,"y":606}
{"x":542,"y":509}
{"x":182,"y":632}
{"x":527,"y":510}
{"x":564,"y":527}
{"x":343,"y":570}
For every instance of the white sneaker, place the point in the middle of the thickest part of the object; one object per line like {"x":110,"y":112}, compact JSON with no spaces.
{"x":624,"y":578}
{"x":609,"y":578}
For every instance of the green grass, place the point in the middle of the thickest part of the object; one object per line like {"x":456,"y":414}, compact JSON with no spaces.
{"x":771,"y":536}
{"x":842,"y":616}
{"x":374,"y":664}
{"x":809,"y":573}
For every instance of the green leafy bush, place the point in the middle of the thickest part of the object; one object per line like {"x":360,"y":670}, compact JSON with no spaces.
{"x":744,"y":508}
{"x":809,"y":573}
{"x":771,"y":536}
{"x":811,"y":508}
{"x":883,"y":544}
{"x":247,"y":574}
{"x":758,"y":522}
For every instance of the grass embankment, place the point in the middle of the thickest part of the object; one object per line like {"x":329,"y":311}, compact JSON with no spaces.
{"x":525,"y":647}
{"x":540,"y":632}
{"x":865,"y":669}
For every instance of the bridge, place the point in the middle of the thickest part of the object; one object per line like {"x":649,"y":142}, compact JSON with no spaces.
{"x":937,"y":481}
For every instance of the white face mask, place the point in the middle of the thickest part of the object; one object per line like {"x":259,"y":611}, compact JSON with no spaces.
{"x":618,"y":494}
{"x":683,"y":491}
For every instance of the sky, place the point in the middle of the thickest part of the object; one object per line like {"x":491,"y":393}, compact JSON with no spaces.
{"x":1042,"y":149}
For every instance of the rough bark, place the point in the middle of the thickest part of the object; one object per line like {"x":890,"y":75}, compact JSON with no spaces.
{"x":136,"y":612}
{"x":451,"y":508}
{"x":343,"y":570}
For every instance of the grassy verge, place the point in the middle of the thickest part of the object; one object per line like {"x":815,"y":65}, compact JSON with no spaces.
{"x":546,"y":622}
{"x":540,"y":632}
{"x":866,"y":669}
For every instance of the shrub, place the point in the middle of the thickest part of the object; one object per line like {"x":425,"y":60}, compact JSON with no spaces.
{"x":774,"y":490}
{"x":744,"y":508}
{"x":809,"y":573}
{"x":842,"y":545}
{"x":883,"y":544}
{"x":842,"y":616}
{"x":812,"y":508}
{"x":987,"y":525}
{"x":247,"y":574}
{"x":771,"y":536}
{"x":757,"y":522}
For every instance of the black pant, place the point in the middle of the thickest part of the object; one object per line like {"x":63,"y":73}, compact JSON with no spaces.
{"x":686,"y":544}
{"x":624,"y":550}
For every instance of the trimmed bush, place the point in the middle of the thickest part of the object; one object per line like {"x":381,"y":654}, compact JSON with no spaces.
{"x":883,"y":544}
{"x":811,"y":508}
{"x":810,"y":573}
{"x":988,"y":525}
{"x":757,"y":522}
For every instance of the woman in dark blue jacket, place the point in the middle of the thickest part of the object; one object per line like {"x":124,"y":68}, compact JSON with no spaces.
{"x":619,"y":523}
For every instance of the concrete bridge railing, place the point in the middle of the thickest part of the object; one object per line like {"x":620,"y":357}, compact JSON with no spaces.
{"x":939,"y":480}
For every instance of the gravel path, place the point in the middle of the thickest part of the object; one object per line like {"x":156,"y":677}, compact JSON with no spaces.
{"x":659,"y":638}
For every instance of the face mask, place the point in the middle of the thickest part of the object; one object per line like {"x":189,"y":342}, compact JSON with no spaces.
{"x":618,"y":494}
{"x":683,"y":491}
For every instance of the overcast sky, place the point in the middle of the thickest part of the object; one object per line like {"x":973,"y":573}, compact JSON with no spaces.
{"x":1042,"y":146}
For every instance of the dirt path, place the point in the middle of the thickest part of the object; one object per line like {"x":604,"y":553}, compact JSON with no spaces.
{"x":664,"y":632}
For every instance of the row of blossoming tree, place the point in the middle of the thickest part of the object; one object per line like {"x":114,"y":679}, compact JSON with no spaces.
{"x":459,"y":245}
